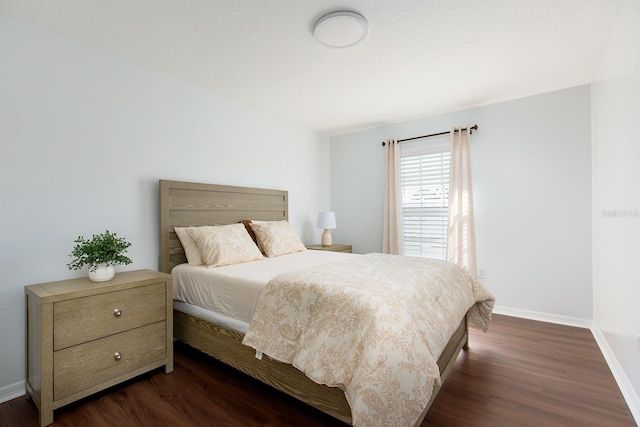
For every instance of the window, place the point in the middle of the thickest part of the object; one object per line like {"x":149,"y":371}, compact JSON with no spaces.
{"x":424,"y":178}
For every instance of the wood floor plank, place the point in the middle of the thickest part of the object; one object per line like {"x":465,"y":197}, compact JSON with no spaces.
{"x":520,"y":373}
{"x":531,"y":373}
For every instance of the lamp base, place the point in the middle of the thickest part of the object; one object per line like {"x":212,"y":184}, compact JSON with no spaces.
{"x":326,"y":238}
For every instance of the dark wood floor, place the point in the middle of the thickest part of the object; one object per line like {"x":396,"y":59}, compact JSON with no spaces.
{"x":520,"y":373}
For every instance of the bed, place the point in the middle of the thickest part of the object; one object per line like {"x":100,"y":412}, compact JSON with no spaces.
{"x":184,"y":204}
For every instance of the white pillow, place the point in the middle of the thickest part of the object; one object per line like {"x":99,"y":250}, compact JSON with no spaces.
{"x":224,"y":244}
{"x":277,"y":238}
{"x":190,"y":248}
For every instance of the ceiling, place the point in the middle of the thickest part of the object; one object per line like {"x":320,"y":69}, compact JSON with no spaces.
{"x":421,"y":57}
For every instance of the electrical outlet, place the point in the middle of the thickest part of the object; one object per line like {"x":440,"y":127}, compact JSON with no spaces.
{"x":482,"y":274}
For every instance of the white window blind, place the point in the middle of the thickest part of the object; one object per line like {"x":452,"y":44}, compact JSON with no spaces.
{"x":424,"y":178}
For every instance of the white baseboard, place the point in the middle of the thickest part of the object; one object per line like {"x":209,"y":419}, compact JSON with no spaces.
{"x":544,"y":317}
{"x":621,"y":378}
{"x":626,"y":388}
{"x":12,"y":391}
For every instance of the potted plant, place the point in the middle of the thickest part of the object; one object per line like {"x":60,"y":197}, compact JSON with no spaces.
{"x":101,"y":253}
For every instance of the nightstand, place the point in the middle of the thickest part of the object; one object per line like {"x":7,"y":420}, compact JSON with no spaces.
{"x":83,"y":337}
{"x":332,"y":248}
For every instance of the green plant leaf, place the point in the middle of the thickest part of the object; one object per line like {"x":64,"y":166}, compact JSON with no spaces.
{"x":105,"y":248}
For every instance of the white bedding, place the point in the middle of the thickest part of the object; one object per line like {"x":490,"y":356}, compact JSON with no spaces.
{"x":233,"y":291}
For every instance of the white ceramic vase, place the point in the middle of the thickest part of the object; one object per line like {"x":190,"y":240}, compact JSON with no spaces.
{"x":102,"y":273}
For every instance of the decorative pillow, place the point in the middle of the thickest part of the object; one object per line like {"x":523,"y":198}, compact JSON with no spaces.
{"x":224,"y":244}
{"x":277,"y":238}
{"x":190,"y":248}
{"x":247,"y":224}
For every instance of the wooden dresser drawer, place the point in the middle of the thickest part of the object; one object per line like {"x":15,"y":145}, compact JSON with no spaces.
{"x":88,"y":318}
{"x":84,"y":337}
{"x":83,"y":366}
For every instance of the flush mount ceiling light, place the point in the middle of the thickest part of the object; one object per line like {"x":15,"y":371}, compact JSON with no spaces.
{"x":339,"y":30}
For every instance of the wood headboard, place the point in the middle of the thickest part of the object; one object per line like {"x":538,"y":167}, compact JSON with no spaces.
{"x":184,"y":204}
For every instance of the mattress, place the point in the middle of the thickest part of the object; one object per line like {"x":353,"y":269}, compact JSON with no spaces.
{"x":228,"y":295}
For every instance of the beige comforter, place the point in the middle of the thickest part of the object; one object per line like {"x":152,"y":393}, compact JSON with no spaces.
{"x":373,"y":325}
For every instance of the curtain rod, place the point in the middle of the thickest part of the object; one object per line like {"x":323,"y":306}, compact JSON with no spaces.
{"x":471,"y":129}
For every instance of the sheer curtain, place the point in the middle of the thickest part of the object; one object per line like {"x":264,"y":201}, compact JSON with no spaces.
{"x":392,"y":226}
{"x":461,"y":242}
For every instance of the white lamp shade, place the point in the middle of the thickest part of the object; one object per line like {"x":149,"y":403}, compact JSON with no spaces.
{"x":326,"y":220}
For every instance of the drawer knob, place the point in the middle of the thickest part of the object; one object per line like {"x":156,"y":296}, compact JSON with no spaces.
{"x":117,"y":355}
{"x":117,"y":312}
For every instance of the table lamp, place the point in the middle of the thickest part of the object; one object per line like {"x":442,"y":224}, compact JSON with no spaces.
{"x":326,"y":220}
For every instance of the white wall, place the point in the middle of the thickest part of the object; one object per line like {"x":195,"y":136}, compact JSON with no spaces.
{"x":85,"y":137}
{"x":616,"y":187}
{"x":531,"y":168}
